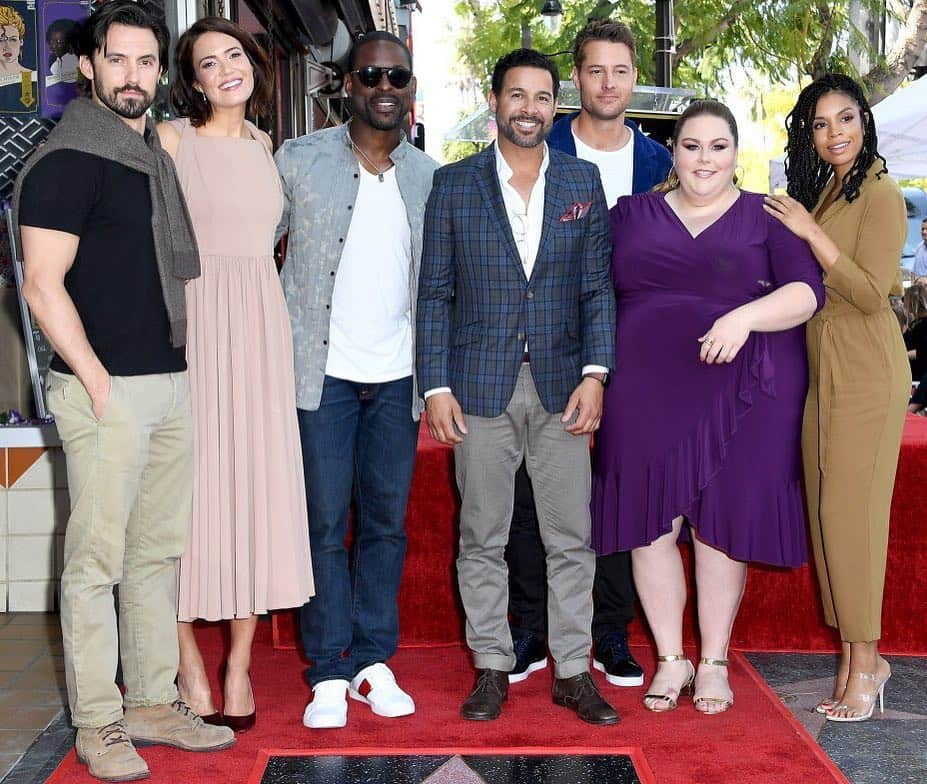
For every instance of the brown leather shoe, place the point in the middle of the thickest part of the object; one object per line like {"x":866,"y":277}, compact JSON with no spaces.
{"x":109,"y":754}
{"x":580,"y":694}
{"x":489,"y":692}
{"x":174,"y":724}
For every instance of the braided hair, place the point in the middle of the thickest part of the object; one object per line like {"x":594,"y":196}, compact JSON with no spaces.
{"x":806,"y":172}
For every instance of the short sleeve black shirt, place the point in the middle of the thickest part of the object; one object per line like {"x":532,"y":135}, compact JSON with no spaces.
{"x":114,"y":280}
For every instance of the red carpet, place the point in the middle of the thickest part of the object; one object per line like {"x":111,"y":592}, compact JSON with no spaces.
{"x":756,"y":741}
{"x":781,"y":610}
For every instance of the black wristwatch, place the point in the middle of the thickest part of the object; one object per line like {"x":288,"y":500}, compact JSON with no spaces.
{"x":606,"y":377}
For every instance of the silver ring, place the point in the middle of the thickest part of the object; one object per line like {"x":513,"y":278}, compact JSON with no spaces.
{"x":709,"y":341}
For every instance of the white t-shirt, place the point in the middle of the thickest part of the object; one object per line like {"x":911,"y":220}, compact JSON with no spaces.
{"x":370,"y":335}
{"x":616,"y":167}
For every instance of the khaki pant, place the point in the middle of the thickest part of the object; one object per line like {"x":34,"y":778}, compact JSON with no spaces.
{"x":558,"y":464}
{"x":129,"y":477}
{"x":851,"y":436}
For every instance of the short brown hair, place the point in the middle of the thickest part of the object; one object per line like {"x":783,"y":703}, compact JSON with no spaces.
{"x":93,"y":33}
{"x":609,"y":30}
{"x":187,"y":101}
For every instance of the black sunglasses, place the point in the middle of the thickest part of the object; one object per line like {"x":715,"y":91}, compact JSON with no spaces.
{"x":371,"y":75}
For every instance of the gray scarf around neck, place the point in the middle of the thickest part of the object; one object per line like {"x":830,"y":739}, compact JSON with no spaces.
{"x":89,"y":128}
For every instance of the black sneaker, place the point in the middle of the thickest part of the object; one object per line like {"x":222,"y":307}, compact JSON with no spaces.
{"x":530,"y":656}
{"x":614,"y":659}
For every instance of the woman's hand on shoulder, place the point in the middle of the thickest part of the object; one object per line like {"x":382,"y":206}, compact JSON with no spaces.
{"x":792,"y":213}
{"x":170,"y":138}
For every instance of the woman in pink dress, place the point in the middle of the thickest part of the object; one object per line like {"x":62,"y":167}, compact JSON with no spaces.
{"x":248,"y":550}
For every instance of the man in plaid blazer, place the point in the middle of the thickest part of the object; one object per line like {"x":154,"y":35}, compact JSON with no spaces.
{"x":516,"y":320}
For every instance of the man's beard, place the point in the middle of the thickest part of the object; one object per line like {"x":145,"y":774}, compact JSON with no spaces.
{"x":507,"y":129}
{"x":379,"y":122}
{"x":130,"y":108}
{"x":612,"y":114}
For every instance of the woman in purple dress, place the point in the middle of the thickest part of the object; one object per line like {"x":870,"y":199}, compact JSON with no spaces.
{"x":702,"y":420}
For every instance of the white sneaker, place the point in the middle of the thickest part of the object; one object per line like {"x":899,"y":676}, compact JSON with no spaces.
{"x":376,"y":686}
{"x":329,"y":707}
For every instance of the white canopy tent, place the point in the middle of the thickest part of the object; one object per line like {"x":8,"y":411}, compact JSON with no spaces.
{"x":901,"y":122}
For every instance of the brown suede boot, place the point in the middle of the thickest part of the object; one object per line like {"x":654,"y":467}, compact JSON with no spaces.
{"x":580,"y":694}
{"x":109,"y":754}
{"x":176,"y":725}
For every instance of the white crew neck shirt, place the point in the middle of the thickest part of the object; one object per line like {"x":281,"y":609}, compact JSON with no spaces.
{"x":616,"y":167}
{"x":370,"y":335}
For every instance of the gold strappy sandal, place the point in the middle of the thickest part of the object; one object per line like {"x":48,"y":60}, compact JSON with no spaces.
{"x":671,"y":700}
{"x":724,"y":703}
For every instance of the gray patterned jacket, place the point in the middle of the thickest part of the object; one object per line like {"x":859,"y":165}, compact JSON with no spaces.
{"x":319,"y":175}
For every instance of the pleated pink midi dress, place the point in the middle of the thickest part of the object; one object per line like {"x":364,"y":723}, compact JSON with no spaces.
{"x":248,"y":549}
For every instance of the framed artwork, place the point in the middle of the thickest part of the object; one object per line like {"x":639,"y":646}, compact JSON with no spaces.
{"x":18,"y":53}
{"x":58,"y":25}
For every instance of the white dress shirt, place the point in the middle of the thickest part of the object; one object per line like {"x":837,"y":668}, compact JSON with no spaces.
{"x":525,"y":220}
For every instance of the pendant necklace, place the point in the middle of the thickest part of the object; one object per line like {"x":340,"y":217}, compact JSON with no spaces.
{"x":362,"y":154}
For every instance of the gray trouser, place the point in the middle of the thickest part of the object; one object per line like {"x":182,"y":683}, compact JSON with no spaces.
{"x":129,"y":477}
{"x":558,"y":464}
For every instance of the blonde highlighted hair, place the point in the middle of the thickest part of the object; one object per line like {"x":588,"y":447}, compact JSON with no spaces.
{"x":9,"y":17}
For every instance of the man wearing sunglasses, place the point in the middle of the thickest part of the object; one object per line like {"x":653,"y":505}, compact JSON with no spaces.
{"x":354,"y":204}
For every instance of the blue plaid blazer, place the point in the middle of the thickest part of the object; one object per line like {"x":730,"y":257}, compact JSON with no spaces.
{"x":475,"y":306}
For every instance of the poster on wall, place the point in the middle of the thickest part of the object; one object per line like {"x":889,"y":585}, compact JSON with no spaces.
{"x":18,"y":52}
{"x":59,"y":22}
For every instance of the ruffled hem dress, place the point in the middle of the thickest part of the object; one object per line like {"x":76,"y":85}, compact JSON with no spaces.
{"x":718,"y":444}
{"x":248,"y":549}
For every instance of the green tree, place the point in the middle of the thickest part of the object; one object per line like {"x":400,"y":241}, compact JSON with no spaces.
{"x":780,"y":40}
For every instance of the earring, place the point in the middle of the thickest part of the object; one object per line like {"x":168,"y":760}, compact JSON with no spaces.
{"x":672,"y":179}
{"x":739,"y":178}
{"x":203,"y":96}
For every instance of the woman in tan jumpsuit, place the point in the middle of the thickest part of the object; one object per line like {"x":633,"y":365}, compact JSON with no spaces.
{"x":850,"y":211}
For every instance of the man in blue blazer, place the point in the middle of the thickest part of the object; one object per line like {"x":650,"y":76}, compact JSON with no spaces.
{"x":516,"y":320}
{"x":604,"y":72}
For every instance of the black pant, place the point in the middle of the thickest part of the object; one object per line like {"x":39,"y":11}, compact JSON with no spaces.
{"x":613,"y":592}
{"x":918,"y":398}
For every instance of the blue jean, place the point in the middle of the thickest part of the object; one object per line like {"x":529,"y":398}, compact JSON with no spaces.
{"x":361,"y":438}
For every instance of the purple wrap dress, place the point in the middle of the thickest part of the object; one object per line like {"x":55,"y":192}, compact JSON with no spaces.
{"x":719,"y":444}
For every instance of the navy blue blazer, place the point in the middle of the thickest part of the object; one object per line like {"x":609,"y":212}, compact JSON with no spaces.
{"x":475,"y":306}
{"x":652,"y":161}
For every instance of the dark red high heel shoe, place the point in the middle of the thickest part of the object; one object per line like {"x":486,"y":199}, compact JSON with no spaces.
{"x":241,"y":723}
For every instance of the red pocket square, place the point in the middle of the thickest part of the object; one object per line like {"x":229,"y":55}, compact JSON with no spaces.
{"x":576,"y":211}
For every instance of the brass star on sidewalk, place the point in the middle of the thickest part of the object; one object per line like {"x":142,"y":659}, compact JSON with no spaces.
{"x":454,"y":771}
{"x":801,"y":697}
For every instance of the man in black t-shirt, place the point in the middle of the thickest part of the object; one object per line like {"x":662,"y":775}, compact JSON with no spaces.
{"x":105,"y":262}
